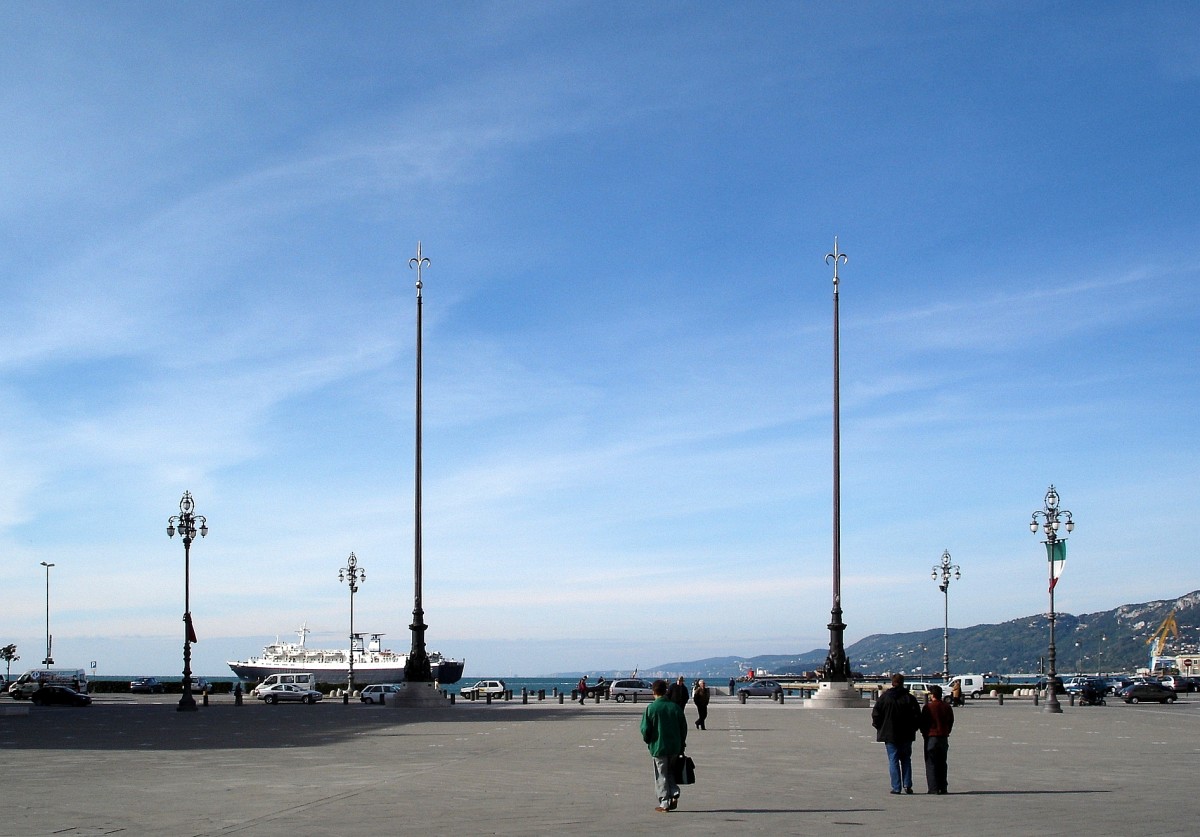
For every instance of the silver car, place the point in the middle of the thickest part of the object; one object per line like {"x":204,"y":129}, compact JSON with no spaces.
{"x":636,"y":690}
{"x":289,"y":692}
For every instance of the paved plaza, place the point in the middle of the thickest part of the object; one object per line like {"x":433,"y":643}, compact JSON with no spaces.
{"x":139,"y":767}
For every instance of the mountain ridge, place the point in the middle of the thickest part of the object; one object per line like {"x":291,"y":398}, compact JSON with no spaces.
{"x":1115,"y":640}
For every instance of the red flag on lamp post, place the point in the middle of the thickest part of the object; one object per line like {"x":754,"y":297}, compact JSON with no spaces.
{"x":191,"y":632}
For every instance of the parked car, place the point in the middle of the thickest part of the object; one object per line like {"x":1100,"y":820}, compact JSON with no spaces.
{"x":288,"y":692}
{"x":1147,"y":691}
{"x":378,"y":692}
{"x":483,"y":688}
{"x":146,"y":685}
{"x":1076,"y":685}
{"x":761,"y":688}
{"x":1116,"y":684}
{"x":59,"y":696}
{"x":1178,"y":685}
{"x":623,"y":690}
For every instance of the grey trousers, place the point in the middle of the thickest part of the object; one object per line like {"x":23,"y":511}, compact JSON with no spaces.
{"x":664,"y":779}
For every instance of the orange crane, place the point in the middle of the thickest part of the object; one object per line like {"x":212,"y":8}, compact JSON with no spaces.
{"x":1159,"y":641}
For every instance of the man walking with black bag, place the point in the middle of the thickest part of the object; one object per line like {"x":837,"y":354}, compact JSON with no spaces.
{"x":664,"y":729}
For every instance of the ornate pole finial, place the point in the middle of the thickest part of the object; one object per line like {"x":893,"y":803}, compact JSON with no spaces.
{"x":836,"y":257}
{"x":420,"y":261}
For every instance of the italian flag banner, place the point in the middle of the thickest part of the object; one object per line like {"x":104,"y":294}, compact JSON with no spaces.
{"x":1057,"y":554}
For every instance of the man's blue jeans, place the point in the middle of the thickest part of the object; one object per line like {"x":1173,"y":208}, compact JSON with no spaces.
{"x":900,"y":765}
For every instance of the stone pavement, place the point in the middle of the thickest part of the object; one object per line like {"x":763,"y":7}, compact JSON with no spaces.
{"x":139,"y":767}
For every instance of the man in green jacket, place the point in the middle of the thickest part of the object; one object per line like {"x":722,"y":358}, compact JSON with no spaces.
{"x":664,"y":729}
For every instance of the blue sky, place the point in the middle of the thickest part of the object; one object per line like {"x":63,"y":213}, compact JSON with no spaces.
{"x":207,"y":212}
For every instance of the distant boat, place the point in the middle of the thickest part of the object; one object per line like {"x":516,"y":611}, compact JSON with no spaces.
{"x":373,"y":665}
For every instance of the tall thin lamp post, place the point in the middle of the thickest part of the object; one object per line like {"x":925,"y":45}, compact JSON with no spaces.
{"x":417,"y":668}
{"x":187,"y":523}
{"x":353,"y":575}
{"x":1056,"y":552}
{"x":49,"y":660}
{"x":945,"y":571}
{"x":837,"y":666}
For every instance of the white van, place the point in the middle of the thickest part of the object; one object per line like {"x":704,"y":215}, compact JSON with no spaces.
{"x":972,"y":685}
{"x":34,"y":679}
{"x":305,"y":680}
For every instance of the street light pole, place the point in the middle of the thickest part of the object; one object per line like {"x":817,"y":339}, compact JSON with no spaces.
{"x":417,"y":668}
{"x":353,"y":575}
{"x":837,"y":666}
{"x":49,"y":661}
{"x":186,"y":524}
{"x":1051,"y":516}
{"x":945,"y":569}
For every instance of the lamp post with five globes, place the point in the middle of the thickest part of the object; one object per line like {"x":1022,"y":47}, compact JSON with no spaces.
{"x":1052,"y":516}
{"x":945,"y":569}
{"x":187,"y":523}
{"x":353,"y":575}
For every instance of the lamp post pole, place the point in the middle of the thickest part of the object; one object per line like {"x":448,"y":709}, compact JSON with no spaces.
{"x":186,"y":524}
{"x":417,"y":668}
{"x":49,"y":660}
{"x":1052,"y":516}
{"x":837,"y":666}
{"x":945,"y":570}
{"x":353,"y":575}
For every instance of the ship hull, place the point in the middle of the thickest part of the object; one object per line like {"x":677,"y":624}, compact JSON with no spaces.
{"x":257,"y":672}
{"x":372,"y":665}
{"x":445,"y":673}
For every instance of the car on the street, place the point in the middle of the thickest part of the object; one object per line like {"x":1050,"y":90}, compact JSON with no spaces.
{"x":1116,"y":684}
{"x":761,"y":688}
{"x":1076,"y":685}
{"x":146,"y":686}
{"x":630,"y":689}
{"x":59,"y":696}
{"x":378,"y":692}
{"x":285,"y":692}
{"x":1178,"y":685}
{"x":1139,"y":692}
{"x":485,"y":688}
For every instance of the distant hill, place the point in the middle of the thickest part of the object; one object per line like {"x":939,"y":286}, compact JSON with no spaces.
{"x":1112,"y":640}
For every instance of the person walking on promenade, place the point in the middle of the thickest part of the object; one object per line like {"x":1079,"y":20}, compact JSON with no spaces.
{"x":677,"y":692}
{"x":664,"y":729}
{"x":700,"y":697}
{"x":582,"y":690}
{"x":896,"y":717}
{"x":956,"y":695}
{"x":937,"y":719}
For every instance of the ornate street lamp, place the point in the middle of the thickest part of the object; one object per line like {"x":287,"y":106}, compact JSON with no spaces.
{"x":417,"y":668}
{"x":1056,"y":552}
{"x":49,"y":661}
{"x":945,"y":570}
{"x":353,"y":575}
{"x":187,"y":523}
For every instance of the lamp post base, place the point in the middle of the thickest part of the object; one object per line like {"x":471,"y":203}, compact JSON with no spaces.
{"x":187,"y":703}
{"x":418,"y":696}
{"x":837,"y":695}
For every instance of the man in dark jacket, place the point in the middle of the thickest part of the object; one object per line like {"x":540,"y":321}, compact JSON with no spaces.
{"x":896,"y":717}
{"x":677,"y":693}
{"x":937,"y":719}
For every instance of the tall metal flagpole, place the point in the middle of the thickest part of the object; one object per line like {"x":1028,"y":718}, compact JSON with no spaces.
{"x":837,"y":667}
{"x":417,"y":668}
{"x":836,"y":689}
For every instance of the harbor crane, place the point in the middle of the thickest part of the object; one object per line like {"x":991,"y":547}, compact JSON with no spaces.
{"x":1158,"y":641}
